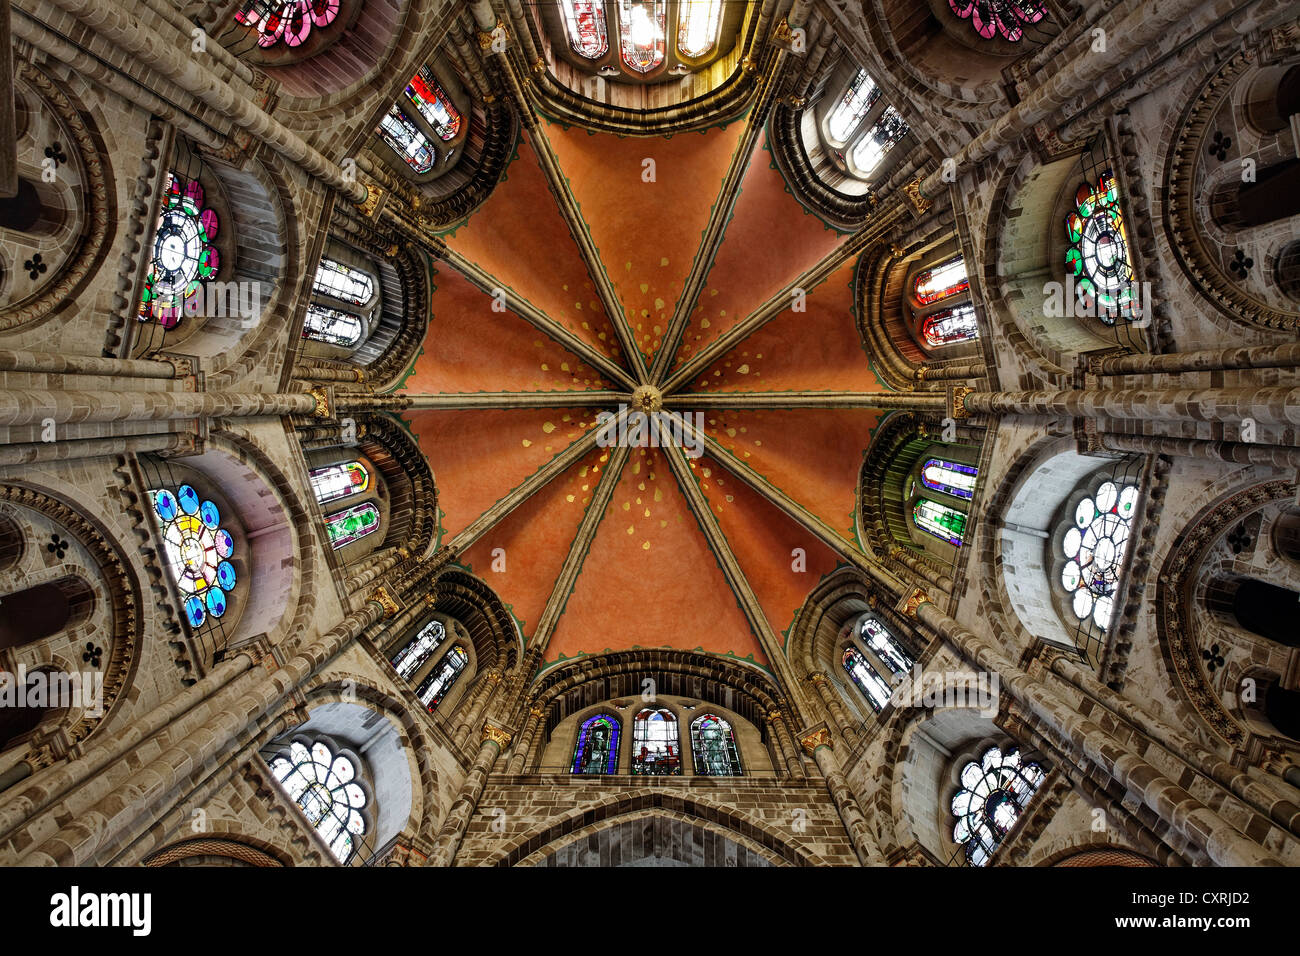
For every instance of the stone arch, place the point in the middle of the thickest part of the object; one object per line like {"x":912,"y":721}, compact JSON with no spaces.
{"x":575,"y":686}
{"x":74,"y":251}
{"x":1179,"y":577}
{"x":120,"y":604}
{"x":492,"y":629}
{"x":640,"y":838}
{"x":216,"y":852}
{"x":708,"y":811}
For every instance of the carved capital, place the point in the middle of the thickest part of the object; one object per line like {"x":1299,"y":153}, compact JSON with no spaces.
{"x":385,"y":600}
{"x":821,"y":737}
{"x":919,"y":202}
{"x":957,"y":401}
{"x":818,"y":679}
{"x":322,"y":409}
{"x":485,"y":40}
{"x":913,"y":602}
{"x":495,"y":734}
{"x":537,"y":712}
{"x":539,"y":66}
{"x":368,"y":205}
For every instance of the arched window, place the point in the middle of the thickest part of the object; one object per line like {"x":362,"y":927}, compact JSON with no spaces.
{"x":198,"y":551}
{"x":885,"y":646}
{"x":287,"y":21}
{"x":351,"y":524}
{"x":1094,"y":550}
{"x":434,"y":104}
{"x":1007,"y":17}
{"x":1098,"y":259}
{"x":713,"y":745}
{"x":946,"y":524}
{"x":942,"y":282}
{"x":865,"y":676}
{"x":697,"y":26}
{"x":992,"y":794}
{"x":597,"y":747}
{"x":184,"y":256}
{"x":884,"y":136}
{"x":861,"y":94}
{"x":951,"y":477}
{"x":409,"y":659}
{"x":326,"y":789}
{"x":406,"y":140}
{"x":437,"y":685}
{"x":343,"y":282}
{"x":655,"y":747}
{"x":331,"y":326}
{"x":339,"y":481}
{"x":641,"y":25}
{"x":949,"y":326}
{"x":585,"y":22}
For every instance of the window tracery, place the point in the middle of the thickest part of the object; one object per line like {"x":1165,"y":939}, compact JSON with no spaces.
{"x":331,"y":326}
{"x":655,"y":747}
{"x":287,"y":21}
{"x":867,"y":678}
{"x":435,"y":688}
{"x":419,"y":649}
{"x":342,"y":480}
{"x":199,"y":552}
{"x":325,"y":787}
{"x":713,"y":747}
{"x":941,"y":521}
{"x":641,"y":26}
{"x":184,"y":256}
{"x":1098,"y":259}
{"x":990,"y":18}
{"x":596,"y":751}
{"x":351,"y":524}
{"x":1094,"y":547}
{"x":993,"y":793}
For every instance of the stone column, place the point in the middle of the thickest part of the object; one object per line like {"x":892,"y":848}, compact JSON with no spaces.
{"x":458,"y":817}
{"x":26,"y":453}
{"x":930,"y":373}
{"x":129,"y":791}
{"x":34,"y":406}
{"x":473,"y":709}
{"x":818,"y":745}
{"x":329,"y":373}
{"x":1265,"y":404}
{"x":785,"y":744}
{"x":519,"y":757}
{"x":54,"y":363}
{"x":917,"y":564}
{"x":374,"y":566}
{"x":1204,"y":360}
{"x":138,"y":43}
{"x":847,"y":725}
{"x":1242,"y":453}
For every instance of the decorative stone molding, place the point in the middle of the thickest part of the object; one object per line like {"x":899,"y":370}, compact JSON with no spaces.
{"x":498,"y":736}
{"x":912,"y":603}
{"x":820,"y":737}
{"x":385,"y":600}
{"x":913,"y":192}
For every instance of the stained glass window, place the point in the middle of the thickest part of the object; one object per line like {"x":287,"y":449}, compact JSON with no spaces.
{"x":434,"y":688}
{"x":655,"y":747}
{"x":951,"y":477}
{"x":1098,"y":259}
{"x":585,"y":21}
{"x":434,"y":104}
{"x":697,"y":26}
{"x":351,"y":524}
{"x":1094,"y":549}
{"x":343,"y":282}
{"x":866,"y":677}
{"x":406,"y":140}
{"x":949,"y":326}
{"x":713,"y":745}
{"x":410,"y":657}
{"x":992,"y":794}
{"x":331,"y":326}
{"x":853,"y":105}
{"x":597,"y":747}
{"x":883,"y":137}
{"x":184,"y":256}
{"x":946,"y":524}
{"x":641,"y":25}
{"x":885,"y":646}
{"x":326,"y":789}
{"x":941,"y":282}
{"x":339,"y":481}
{"x":286,"y":21}
{"x":198,"y":552}
{"x":1007,"y":17}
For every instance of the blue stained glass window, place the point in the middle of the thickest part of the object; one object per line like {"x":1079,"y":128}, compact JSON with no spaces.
{"x":597,"y":747}
{"x":951,"y":477}
{"x":197,"y":550}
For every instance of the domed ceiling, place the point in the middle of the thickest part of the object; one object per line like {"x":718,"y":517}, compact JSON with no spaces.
{"x":645,"y":546}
